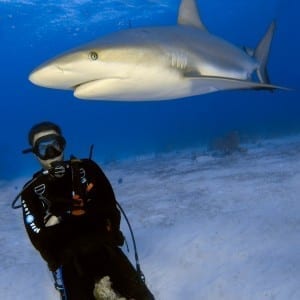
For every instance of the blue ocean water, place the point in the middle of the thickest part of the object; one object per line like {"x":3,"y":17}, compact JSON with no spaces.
{"x":33,"y":31}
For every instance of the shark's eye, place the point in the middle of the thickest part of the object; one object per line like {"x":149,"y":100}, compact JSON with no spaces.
{"x":93,"y":55}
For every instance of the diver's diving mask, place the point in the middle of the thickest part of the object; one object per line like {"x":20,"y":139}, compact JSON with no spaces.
{"x":48,"y":146}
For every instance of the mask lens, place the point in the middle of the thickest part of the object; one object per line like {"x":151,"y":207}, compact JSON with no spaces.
{"x":48,"y":147}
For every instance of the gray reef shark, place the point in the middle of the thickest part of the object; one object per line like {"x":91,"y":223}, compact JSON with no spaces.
{"x":158,"y":63}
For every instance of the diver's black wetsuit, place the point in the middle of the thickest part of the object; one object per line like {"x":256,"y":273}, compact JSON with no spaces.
{"x":86,"y":240}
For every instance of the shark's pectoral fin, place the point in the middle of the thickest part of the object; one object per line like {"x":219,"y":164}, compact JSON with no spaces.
{"x":192,"y":73}
{"x":205,"y":84}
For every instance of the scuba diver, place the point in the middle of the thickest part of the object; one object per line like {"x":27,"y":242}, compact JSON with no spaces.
{"x":73,"y":219}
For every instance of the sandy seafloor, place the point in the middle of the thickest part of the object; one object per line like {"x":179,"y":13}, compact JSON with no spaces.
{"x":207,"y":227}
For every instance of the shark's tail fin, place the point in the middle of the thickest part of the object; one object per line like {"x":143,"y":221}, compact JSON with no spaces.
{"x":262,"y":54}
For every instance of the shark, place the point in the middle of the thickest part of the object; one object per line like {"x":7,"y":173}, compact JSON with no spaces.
{"x":156,"y":63}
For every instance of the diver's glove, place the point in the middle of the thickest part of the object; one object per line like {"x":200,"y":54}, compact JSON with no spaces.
{"x":52,"y":220}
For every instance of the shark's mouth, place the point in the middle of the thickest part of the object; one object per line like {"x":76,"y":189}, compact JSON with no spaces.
{"x":84,"y":83}
{"x":96,"y":81}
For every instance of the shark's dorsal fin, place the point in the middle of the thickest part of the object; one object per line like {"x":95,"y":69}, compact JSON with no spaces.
{"x":189,"y":14}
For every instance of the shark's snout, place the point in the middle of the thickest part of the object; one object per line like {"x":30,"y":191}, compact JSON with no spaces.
{"x":50,"y":76}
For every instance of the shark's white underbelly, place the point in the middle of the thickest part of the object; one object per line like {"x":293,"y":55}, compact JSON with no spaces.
{"x":144,"y":84}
